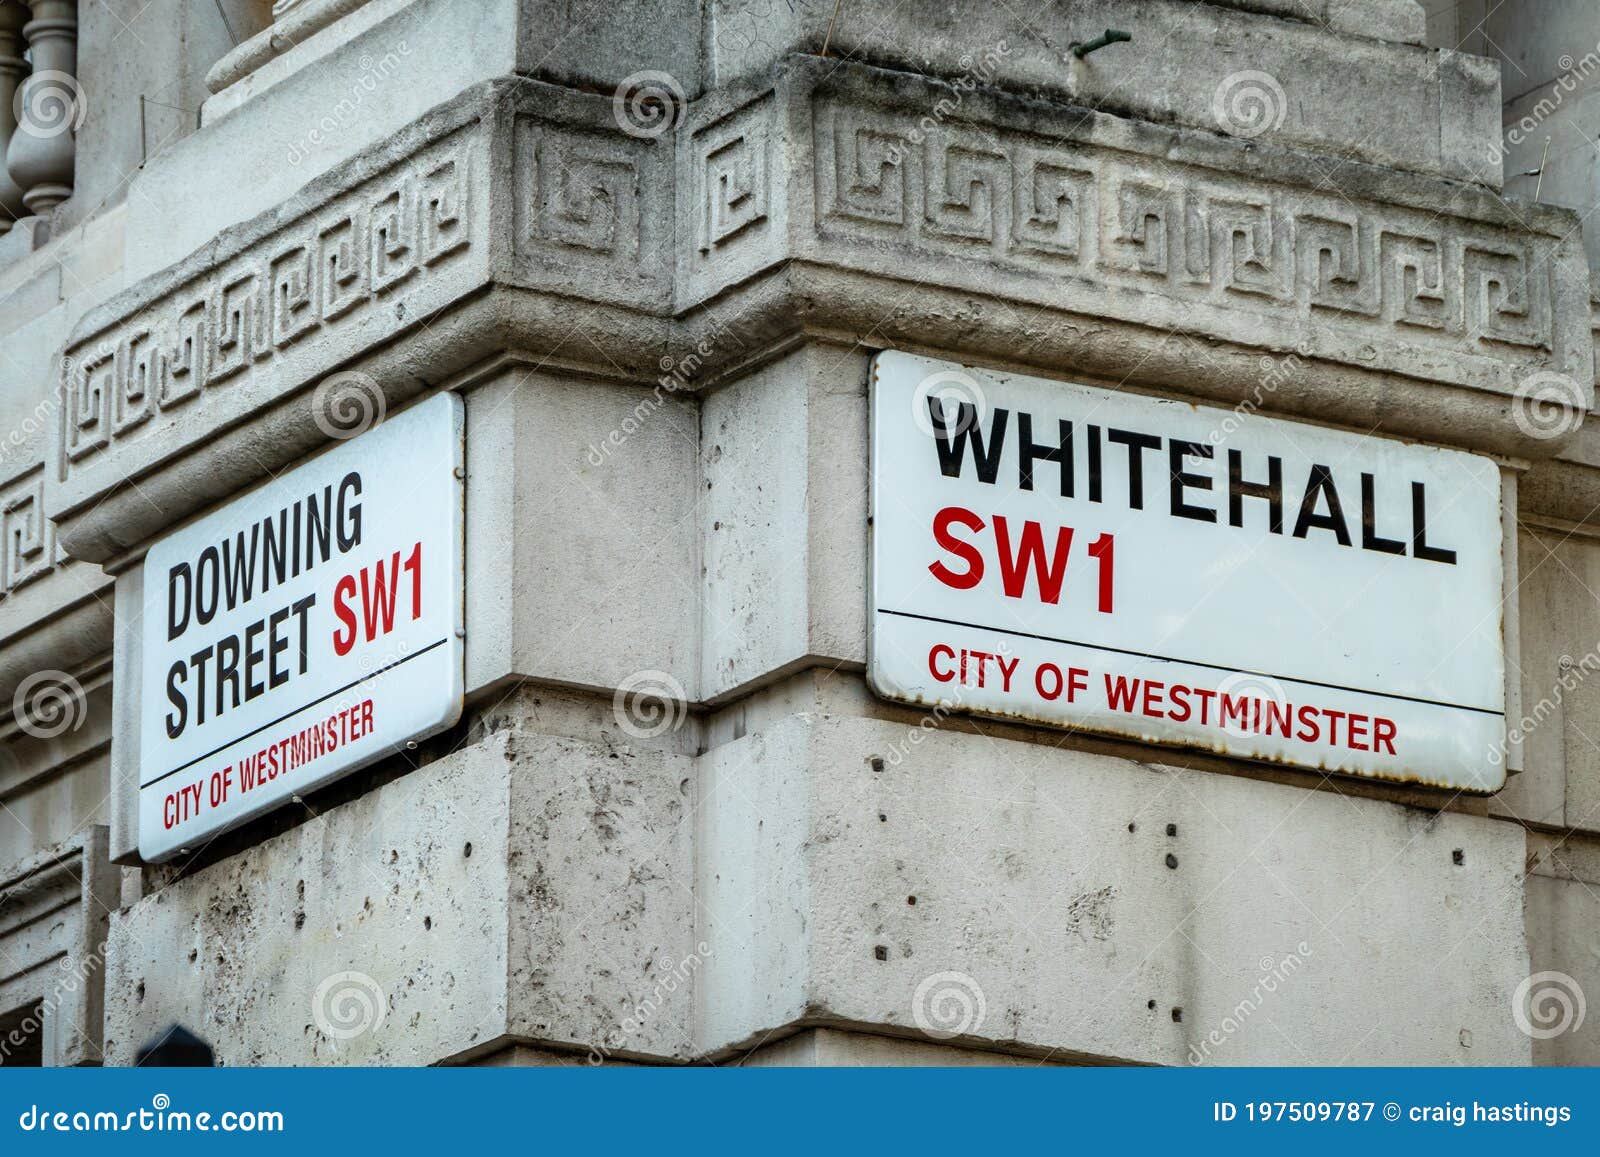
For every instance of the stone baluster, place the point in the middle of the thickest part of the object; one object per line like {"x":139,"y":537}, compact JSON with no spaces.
{"x":13,"y":15}
{"x":49,"y":107}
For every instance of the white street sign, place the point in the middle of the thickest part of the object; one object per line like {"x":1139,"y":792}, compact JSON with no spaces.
{"x":1183,"y":574}
{"x":302,"y":631}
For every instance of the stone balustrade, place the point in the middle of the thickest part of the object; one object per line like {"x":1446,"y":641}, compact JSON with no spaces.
{"x":41,"y":106}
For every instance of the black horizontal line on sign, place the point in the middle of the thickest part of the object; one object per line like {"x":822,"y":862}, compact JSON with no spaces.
{"x":290,"y":714}
{"x":1194,"y":663}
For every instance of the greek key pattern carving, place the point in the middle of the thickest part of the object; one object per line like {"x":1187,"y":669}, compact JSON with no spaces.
{"x":731,"y":161}
{"x":224,"y":328}
{"x":581,"y":192}
{"x":597,"y":200}
{"x":27,"y":539}
{"x":956,"y":189}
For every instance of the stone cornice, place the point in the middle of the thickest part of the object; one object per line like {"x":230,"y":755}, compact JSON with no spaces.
{"x":831,"y":199}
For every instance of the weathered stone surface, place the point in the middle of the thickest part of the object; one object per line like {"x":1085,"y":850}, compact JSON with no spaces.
{"x":374,"y":912}
{"x":606,"y":488}
{"x":1198,"y":65}
{"x":573,"y":920}
{"x":783,"y":455}
{"x":1399,"y":20}
{"x":526,"y":886}
{"x":1030,"y":885}
{"x":1563,"y":904}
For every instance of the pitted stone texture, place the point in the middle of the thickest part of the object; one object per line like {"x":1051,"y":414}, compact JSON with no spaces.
{"x":274,"y":954}
{"x":1297,"y":84}
{"x":650,"y":906}
{"x":1031,"y":890}
{"x":602,"y":951}
{"x":504,"y":890}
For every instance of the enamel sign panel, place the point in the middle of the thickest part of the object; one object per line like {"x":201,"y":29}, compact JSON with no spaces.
{"x":303,"y":630}
{"x":1182,"y":574}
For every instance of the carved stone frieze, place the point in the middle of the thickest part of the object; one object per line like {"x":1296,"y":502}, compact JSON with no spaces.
{"x":1102,"y":230}
{"x":529,"y":218}
{"x":27,"y":540}
{"x":229,"y":328}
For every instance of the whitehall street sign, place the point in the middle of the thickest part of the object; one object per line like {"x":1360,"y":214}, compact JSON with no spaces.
{"x":1181,"y":574}
{"x":303,"y":630}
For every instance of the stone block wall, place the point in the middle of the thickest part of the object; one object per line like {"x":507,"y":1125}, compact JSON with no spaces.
{"x":655,"y":247}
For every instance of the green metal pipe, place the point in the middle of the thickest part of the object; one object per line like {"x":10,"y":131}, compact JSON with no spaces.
{"x":1082,"y":48}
